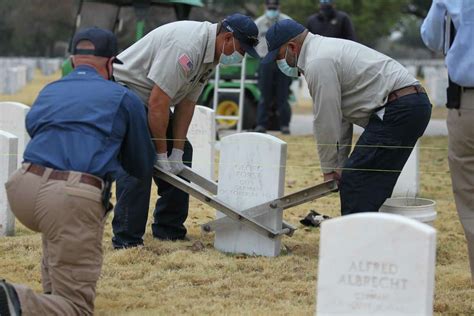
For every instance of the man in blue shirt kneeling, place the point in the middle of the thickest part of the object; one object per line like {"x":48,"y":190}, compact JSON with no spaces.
{"x":84,"y":129}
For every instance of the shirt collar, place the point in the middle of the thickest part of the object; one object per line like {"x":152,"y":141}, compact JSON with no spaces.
{"x":85,"y":68}
{"x":211,"y":44}
{"x":305,"y":50}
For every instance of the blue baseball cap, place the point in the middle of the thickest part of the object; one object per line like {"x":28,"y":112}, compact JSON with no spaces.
{"x":244,"y":30}
{"x":105,"y":43}
{"x":278,"y":35}
{"x":326,"y":1}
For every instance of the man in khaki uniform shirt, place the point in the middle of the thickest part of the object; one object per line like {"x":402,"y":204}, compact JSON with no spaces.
{"x":169,"y":67}
{"x":362,"y":86}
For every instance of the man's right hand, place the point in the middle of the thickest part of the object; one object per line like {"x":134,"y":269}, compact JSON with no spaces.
{"x":162,"y":162}
{"x":335,"y":175}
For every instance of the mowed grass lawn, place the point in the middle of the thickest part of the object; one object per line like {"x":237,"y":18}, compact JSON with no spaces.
{"x":172,"y":278}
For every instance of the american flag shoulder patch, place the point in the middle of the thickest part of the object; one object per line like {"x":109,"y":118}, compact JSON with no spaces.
{"x":185,"y":62}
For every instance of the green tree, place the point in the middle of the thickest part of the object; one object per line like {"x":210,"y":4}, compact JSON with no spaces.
{"x":372,"y":18}
{"x":418,"y":8}
{"x":31,"y":27}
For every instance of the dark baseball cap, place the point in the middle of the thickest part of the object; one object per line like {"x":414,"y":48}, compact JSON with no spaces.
{"x":272,"y":3}
{"x":278,"y":35}
{"x":244,"y":30}
{"x":104,"y":41}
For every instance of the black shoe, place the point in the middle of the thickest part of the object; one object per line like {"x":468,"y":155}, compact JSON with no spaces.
{"x":285,"y":130}
{"x":260,"y":129}
{"x":314,"y":219}
{"x":9,"y":302}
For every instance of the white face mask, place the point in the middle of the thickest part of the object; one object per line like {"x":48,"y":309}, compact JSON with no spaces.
{"x":287,"y":69}
{"x":272,"y":14}
{"x":232,"y":59}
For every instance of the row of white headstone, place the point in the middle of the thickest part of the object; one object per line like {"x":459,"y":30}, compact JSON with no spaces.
{"x":15,"y":73}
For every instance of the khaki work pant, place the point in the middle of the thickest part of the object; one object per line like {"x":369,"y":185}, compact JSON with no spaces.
{"x":71,"y":218}
{"x":461,"y":164}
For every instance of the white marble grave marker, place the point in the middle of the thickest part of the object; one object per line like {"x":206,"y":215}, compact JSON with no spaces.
{"x":8,"y":164}
{"x":376,"y":264}
{"x":251,"y":172}
{"x":408,"y":183}
{"x":436,"y":82}
{"x":12,"y":120}
{"x":202,"y":134}
{"x":3,"y":80}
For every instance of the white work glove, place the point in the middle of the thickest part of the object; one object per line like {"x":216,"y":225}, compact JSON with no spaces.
{"x":176,"y":161}
{"x":162,"y":162}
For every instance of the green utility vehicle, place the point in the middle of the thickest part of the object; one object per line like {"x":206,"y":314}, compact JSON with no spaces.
{"x":228,"y":103}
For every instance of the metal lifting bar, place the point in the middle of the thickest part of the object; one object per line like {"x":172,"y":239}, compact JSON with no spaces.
{"x":206,"y":190}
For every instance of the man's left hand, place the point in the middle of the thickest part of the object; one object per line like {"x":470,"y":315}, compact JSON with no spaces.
{"x":176,"y":161}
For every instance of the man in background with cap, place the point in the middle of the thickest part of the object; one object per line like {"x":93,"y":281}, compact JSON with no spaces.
{"x":456,"y":40}
{"x":330,"y":22}
{"x":350,"y":81}
{"x":274,"y":85}
{"x":170,"y":67}
{"x":84,"y":129}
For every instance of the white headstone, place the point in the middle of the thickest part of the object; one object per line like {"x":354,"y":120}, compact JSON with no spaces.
{"x":12,"y":120}
{"x":3,"y":80}
{"x":376,"y":264}
{"x":202,"y":135}
{"x":49,"y":66}
{"x":251,"y":172}
{"x":8,"y":164}
{"x":12,"y":83}
{"x":436,"y":82}
{"x":408,"y":183}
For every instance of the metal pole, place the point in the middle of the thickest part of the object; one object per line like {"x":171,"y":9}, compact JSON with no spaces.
{"x":242,"y":95}
{"x":216,"y":88}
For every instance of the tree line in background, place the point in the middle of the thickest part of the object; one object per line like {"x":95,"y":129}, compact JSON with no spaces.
{"x":33,"y":27}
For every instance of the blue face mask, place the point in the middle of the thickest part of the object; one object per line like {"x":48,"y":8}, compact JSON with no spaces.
{"x":272,"y":14}
{"x":287,"y":69}
{"x":232,"y":59}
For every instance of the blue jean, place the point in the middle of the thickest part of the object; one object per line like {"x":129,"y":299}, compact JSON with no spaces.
{"x":372,"y":170}
{"x":275,"y":87}
{"x":133,"y":198}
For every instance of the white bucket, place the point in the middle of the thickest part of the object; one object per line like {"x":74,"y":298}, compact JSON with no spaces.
{"x":422,"y":210}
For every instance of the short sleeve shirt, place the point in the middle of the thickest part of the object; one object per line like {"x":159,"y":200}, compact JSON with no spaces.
{"x":178,"y":57}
